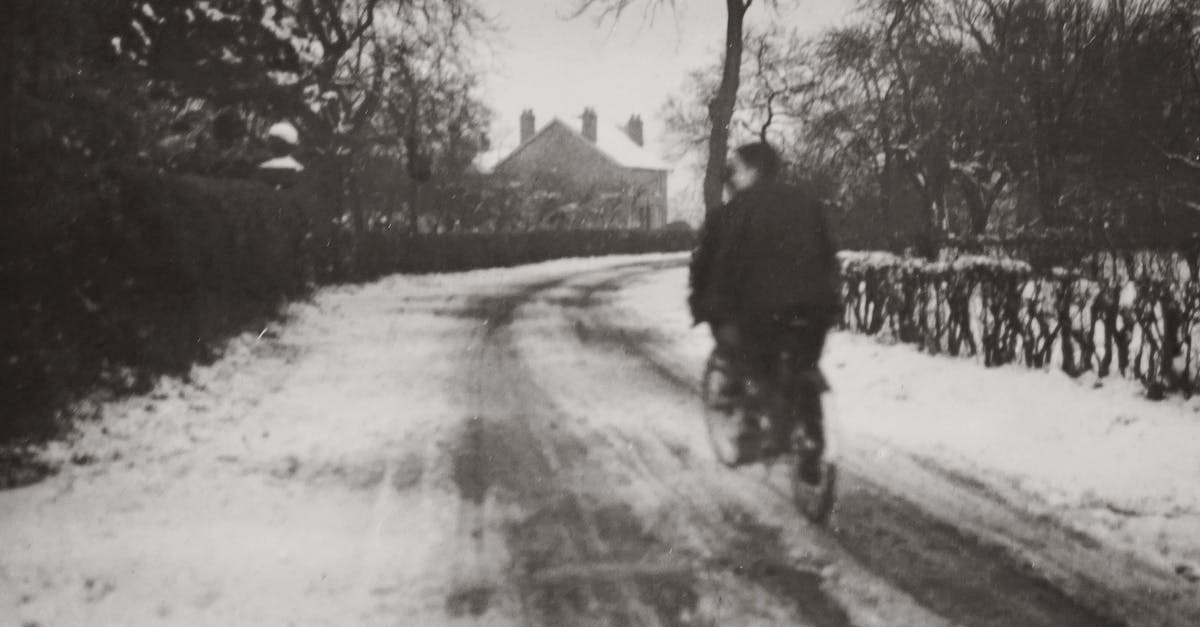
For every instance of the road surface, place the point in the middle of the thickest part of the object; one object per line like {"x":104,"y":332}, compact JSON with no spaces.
{"x":501,"y":449}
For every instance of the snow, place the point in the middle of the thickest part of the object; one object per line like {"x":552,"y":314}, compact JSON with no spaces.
{"x":611,"y":140}
{"x":305,"y":477}
{"x":1093,"y":455}
{"x":207,"y":503}
{"x":285,"y":132}
{"x":855,"y":260}
{"x":287,"y":164}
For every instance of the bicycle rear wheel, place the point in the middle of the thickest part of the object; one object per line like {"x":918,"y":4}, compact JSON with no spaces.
{"x":723,"y":418}
{"x":815,"y":501}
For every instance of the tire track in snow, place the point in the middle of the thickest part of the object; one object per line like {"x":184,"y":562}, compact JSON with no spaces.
{"x":739,"y":542}
{"x":953,"y":573}
{"x":579,"y":559}
{"x":797,"y":588}
{"x":503,"y":449}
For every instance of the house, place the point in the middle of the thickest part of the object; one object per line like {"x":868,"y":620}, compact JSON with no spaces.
{"x":607,"y":169}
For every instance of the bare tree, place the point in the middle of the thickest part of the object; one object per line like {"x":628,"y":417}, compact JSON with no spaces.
{"x":724,"y":100}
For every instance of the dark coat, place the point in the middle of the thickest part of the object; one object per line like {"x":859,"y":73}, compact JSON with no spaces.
{"x":768,"y":251}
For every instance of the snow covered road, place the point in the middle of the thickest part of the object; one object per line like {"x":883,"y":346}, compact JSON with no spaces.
{"x":521,"y":447}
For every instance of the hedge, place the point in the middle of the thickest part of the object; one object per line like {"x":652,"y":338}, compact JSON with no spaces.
{"x":1133,"y":313}
{"x":146,"y":279}
{"x":155,"y":273}
{"x":385,"y":252}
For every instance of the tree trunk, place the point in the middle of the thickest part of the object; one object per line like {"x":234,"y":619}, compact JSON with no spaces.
{"x":357,"y":215}
{"x":414,"y":207}
{"x":1048,"y":197}
{"x":978,"y":209}
{"x":720,"y":109}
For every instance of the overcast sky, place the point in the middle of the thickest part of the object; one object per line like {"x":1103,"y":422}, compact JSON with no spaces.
{"x":557,"y":66}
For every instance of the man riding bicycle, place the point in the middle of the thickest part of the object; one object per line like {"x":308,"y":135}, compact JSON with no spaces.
{"x":764,"y":278}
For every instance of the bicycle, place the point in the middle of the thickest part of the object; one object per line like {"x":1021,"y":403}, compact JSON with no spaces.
{"x":743,"y":422}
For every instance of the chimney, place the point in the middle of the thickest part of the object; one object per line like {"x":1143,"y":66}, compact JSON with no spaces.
{"x":527,"y":126}
{"x":633,"y":128}
{"x":589,"y":124}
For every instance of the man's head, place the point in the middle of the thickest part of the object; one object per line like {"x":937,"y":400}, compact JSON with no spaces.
{"x":753,"y":163}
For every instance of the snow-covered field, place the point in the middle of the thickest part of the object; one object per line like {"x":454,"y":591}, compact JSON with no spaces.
{"x":442,"y":449}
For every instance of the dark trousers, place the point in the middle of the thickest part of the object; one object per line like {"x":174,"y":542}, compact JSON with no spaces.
{"x":780,"y":353}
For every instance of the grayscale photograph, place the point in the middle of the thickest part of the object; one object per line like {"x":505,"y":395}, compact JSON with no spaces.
{"x":600,"y":313}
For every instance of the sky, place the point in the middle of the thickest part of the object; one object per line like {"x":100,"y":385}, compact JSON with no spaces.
{"x":556,"y":65}
{"x":544,"y":61}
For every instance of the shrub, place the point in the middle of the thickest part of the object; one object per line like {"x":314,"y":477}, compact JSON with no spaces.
{"x":144,"y":279}
{"x":153,"y":273}
{"x":386,"y":252}
{"x":1135,"y":311}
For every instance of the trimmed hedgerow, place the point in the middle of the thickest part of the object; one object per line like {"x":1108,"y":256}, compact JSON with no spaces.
{"x":385,"y":252}
{"x":145,"y":279}
{"x":156,"y":271}
{"x":1136,"y":313}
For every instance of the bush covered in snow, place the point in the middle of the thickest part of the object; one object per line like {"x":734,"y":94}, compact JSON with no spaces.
{"x":1137,"y":312}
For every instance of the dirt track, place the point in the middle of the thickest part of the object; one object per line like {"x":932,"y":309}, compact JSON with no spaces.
{"x":518,"y":457}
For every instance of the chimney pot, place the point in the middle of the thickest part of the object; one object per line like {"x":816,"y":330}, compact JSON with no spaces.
{"x":527,"y":125}
{"x":589,"y":124}
{"x":635,"y":130}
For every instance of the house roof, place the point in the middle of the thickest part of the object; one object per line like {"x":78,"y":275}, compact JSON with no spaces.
{"x":611,"y":141}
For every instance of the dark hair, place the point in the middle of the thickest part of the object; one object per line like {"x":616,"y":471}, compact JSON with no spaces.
{"x":762,"y":157}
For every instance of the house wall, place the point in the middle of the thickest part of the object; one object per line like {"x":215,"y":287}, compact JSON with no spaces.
{"x":655,"y":184}
{"x":560,"y":153}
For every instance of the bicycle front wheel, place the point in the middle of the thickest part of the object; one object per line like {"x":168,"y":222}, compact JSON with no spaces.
{"x":815,"y":500}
